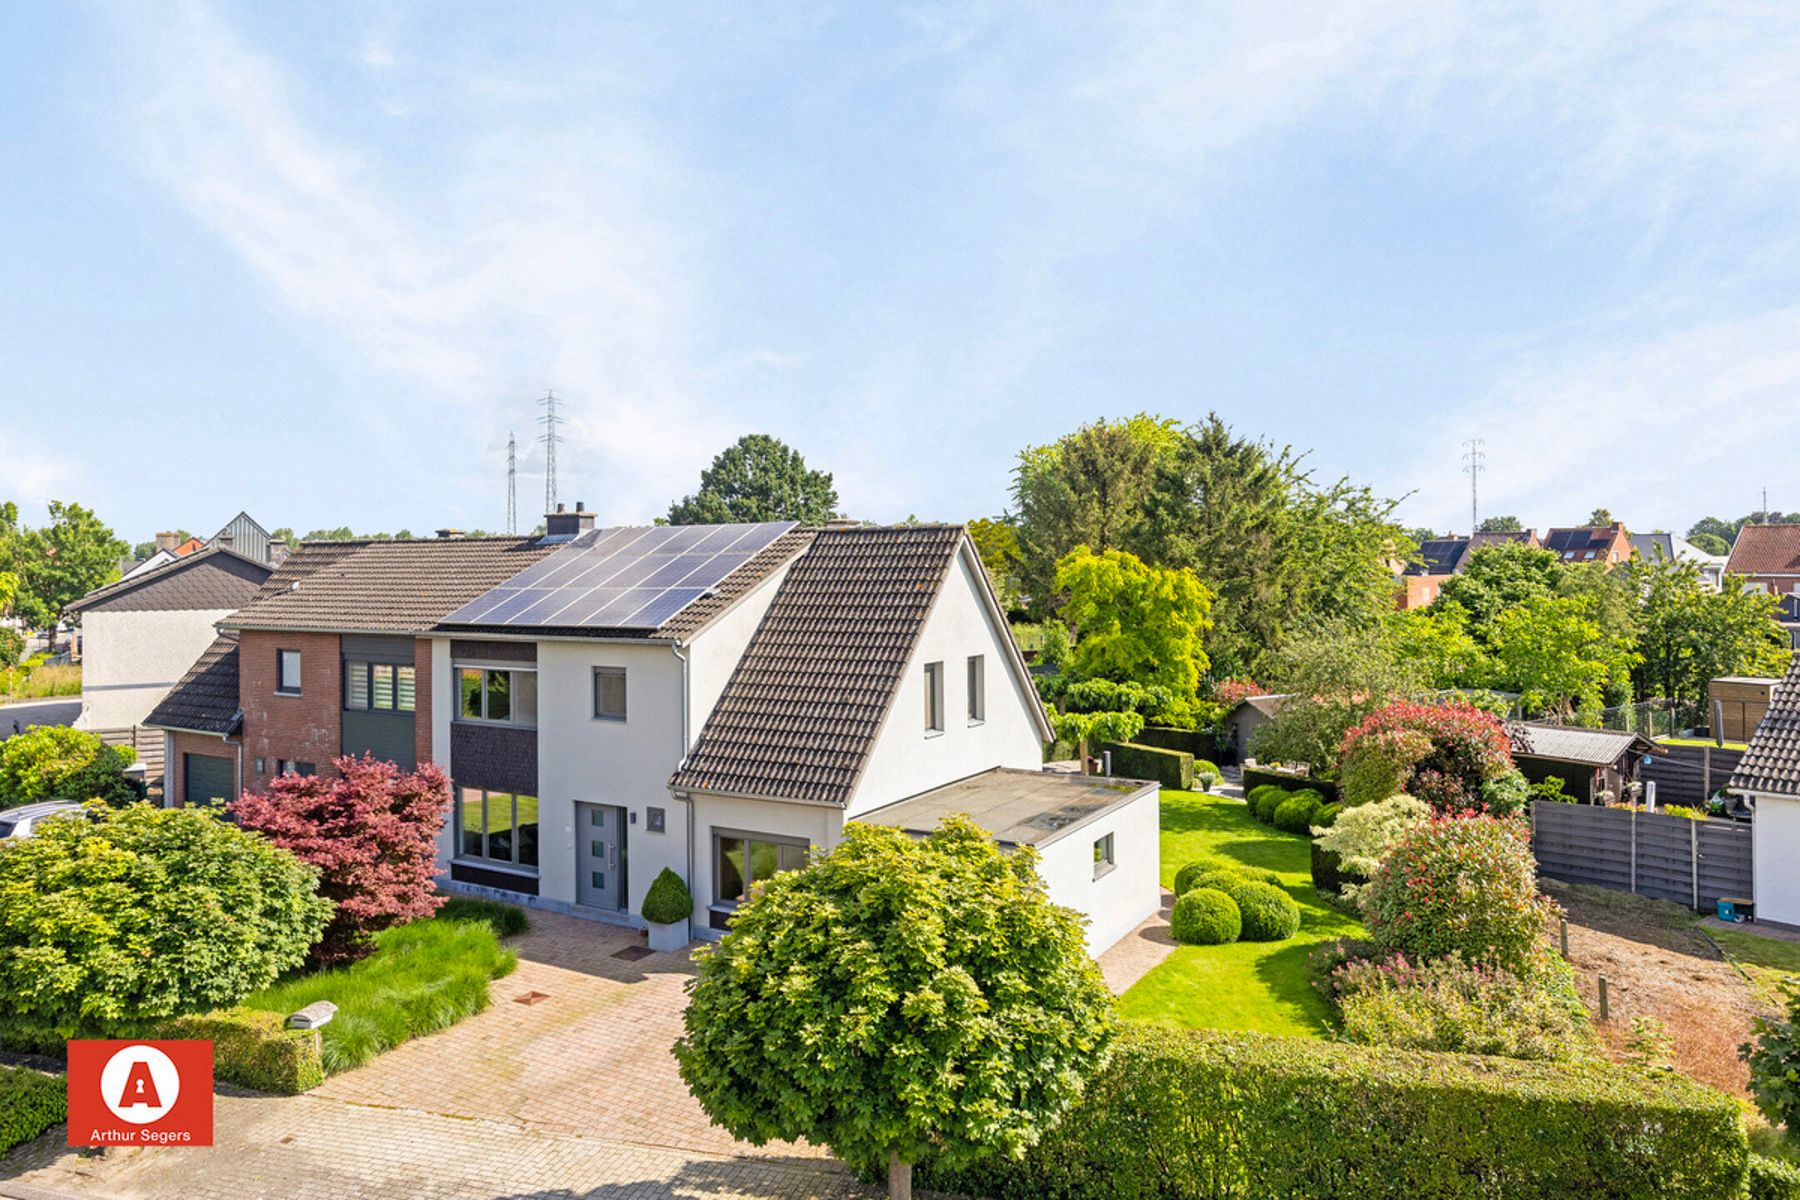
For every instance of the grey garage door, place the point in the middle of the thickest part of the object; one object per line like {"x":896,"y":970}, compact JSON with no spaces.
{"x":206,"y":779}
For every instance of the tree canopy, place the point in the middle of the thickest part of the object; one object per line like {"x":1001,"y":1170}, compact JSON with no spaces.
{"x":1135,"y":622}
{"x":899,"y":1000}
{"x":758,"y":478}
{"x":58,"y":564}
{"x":1506,"y":524}
{"x":1691,"y":634}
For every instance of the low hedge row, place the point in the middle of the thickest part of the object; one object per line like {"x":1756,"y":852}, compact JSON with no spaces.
{"x":30,"y":1102}
{"x":1255,"y":777}
{"x":1171,"y":768}
{"x":250,"y":1048}
{"x":1773,"y":1179}
{"x":1200,"y":743}
{"x":1190,"y":1115}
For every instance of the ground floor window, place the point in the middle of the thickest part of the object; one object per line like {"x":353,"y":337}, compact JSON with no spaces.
{"x":745,"y":861}
{"x":498,"y":827}
{"x":1103,"y":856}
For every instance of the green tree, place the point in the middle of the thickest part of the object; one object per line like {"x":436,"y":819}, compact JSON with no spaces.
{"x":138,"y":912}
{"x":1599,"y":517}
{"x":758,"y":478}
{"x":54,"y":762}
{"x":1093,"y":487}
{"x":997,"y":542}
{"x":1553,"y":651}
{"x":1083,"y":729}
{"x":1498,"y":577}
{"x":1725,"y":531}
{"x":1506,"y":524}
{"x":901,"y":999}
{"x":1690,"y":634}
{"x":1135,"y":622}
{"x":64,"y":561}
{"x":1710,"y":543}
{"x":1333,"y":678}
{"x":1436,"y":642}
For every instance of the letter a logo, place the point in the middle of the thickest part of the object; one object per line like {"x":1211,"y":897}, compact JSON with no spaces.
{"x":140,"y":1088}
{"x":139,"y":1084}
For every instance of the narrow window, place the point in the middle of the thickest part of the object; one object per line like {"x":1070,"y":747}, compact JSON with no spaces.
{"x":934,"y":697}
{"x":470,"y":823}
{"x":1103,"y":856}
{"x":470,"y":681}
{"x":656,"y":820}
{"x":287,"y":672}
{"x":609,"y":693}
{"x":405,"y":687}
{"x":356,"y":684}
{"x":499,"y":695}
{"x":977,"y":689}
{"x":381,"y":687}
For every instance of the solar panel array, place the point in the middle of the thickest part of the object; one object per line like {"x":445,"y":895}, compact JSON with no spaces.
{"x":630,"y":578}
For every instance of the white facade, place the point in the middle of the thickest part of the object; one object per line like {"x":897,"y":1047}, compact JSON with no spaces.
{"x":130,"y":660}
{"x":1775,"y":849}
{"x":1118,"y":900}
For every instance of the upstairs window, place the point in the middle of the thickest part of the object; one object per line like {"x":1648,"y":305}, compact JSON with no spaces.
{"x":934,"y":697}
{"x":609,"y":693}
{"x":382,"y":687}
{"x":287,"y":672}
{"x":506,"y":696}
{"x":977,"y":689}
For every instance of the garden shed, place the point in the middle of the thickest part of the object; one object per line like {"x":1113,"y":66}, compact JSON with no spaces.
{"x":1593,"y":764}
{"x":1237,"y":728}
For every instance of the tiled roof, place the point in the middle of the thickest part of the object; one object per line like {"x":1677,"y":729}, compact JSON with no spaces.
{"x":1765,"y":550}
{"x":1772,"y":763}
{"x":383,"y":586}
{"x":214,"y":578}
{"x":1571,"y":744}
{"x":802,"y":710}
{"x":206,"y":699}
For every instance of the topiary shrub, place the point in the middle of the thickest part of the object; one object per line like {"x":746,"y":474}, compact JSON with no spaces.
{"x":1186,"y":878}
{"x":1295,"y":815}
{"x":1327,"y":816}
{"x":1269,"y":914}
{"x":1254,"y":797}
{"x":1270,"y":802}
{"x":1205,"y":917}
{"x":668,"y":901}
{"x":1465,"y":885}
{"x":1229,"y":873}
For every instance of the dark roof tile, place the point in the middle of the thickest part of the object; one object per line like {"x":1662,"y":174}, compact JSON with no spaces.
{"x":1772,"y":763}
{"x":206,"y":699}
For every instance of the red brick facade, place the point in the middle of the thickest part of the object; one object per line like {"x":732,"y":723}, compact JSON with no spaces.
{"x":303,"y":728}
{"x":174,"y":772}
{"x":422,"y":701}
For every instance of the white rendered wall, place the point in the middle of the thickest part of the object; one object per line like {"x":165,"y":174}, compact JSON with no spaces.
{"x":819,"y":825}
{"x":906,"y":760}
{"x":1120,"y":900}
{"x":1775,"y":850}
{"x":130,"y":660}
{"x":716,"y":650}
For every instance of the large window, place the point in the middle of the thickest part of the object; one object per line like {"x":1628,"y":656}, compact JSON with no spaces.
{"x":609,"y":693}
{"x":977,"y":689}
{"x":934,"y":697}
{"x":743,"y":862}
{"x":383,"y":687}
{"x":287,"y":672}
{"x":498,"y":827}
{"x":505,"y":695}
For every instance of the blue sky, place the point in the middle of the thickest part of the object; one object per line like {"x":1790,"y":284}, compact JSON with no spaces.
{"x":315,"y":261}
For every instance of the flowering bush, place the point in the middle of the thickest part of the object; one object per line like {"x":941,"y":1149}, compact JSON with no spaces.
{"x":1467,"y":747}
{"x":1381,"y":764}
{"x":1231,"y":692}
{"x":1472,"y":1008}
{"x":1459,"y":885}
{"x":372,"y":834}
{"x":1362,"y":836}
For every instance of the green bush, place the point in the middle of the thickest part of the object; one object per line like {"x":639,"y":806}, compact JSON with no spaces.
{"x":30,"y":1102}
{"x":1185,"y":878}
{"x":1773,"y":1179}
{"x":1270,"y":914}
{"x":1327,"y":816}
{"x":1205,"y":1115}
{"x":1328,"y":874}
{"x":1205,"y":917}
{"x":1288,"y":781}
{"x":1206,"y":774}
{"x":506,"y":920}
{"x":1774,"y":1058}
{"x":1295,"y":815}
{"x":251,"y":1048}
{"x":668,"y":900}
{"x":1269,"y":801}
{"x":54,"y":762}
{"x":1219,"y":875}
{"x":141,"y":913}
{"x":1171,"y":768}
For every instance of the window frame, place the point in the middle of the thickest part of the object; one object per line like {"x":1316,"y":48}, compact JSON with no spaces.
{"x":977,"y":685}
{"x":934,"y":698}
{"x":624,"y":713}
{"x":510,"y":721}
{"x":295,"y":767}
{"x":482,"y":858}
{"x":749,"y":838}
{"x":364,"y":669}
{"x":281,"y":688}
{"x":1106,"y":855}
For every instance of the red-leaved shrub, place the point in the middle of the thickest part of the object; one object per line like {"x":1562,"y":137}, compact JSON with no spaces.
{"x":372,"y":834}
{"x":1230,"y":691}
{"x":1468,"y":746}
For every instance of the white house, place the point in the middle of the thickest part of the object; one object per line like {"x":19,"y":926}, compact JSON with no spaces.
{"x":1769,"y":774}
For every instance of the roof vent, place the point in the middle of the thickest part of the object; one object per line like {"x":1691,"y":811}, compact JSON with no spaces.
{"x":841,"y":522}
{"x":449,"y":535}
{"x":563,"y":524}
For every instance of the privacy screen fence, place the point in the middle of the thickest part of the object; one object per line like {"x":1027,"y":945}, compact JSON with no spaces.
{"x":1692,"y":863}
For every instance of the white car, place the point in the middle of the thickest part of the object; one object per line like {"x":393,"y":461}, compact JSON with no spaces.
{"x":19,"y":822}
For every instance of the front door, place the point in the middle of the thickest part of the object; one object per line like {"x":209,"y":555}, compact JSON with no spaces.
{"x":600,"y":856}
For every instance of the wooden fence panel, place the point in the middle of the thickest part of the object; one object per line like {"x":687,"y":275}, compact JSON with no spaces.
{"x":148,"y":743}
{"x":1690,"y":774}
{"x":1692,"y":863}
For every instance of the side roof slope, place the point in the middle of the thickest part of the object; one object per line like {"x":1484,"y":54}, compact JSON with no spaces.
{"x":1772,"y":763}
{"x":206,"y":699}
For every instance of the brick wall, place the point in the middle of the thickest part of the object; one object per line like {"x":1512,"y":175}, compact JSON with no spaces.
{"x":303,"y":728}
{"x":190,"y":743}
{"x":422,"y":700}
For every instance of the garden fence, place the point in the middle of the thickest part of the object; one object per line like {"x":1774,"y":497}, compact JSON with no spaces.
{"x":1692,"y":863}
{"x":1690,"y":774}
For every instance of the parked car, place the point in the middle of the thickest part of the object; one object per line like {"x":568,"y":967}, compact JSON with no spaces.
{"x":19,"y":822}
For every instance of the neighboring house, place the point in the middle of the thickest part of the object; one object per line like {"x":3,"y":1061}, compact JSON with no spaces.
{"x":1237,"y":728}
{"x":1766,"y":558}
{"x":203,"y":754}
{"x":1607,"y":544}
{"x":1441,"y":558}
{"x":717,"y":700}
{"x":1595,"y":765}
{"x":1672,"y":548}
{"x":141,"y":634}
{"x":1769,"y":775}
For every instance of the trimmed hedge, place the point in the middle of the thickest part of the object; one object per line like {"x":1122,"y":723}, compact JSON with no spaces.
{"x":1197,"y":742}
{"x":1328,"y":874}
{"x":1773,"y":1179}
{"x":1205,"y":917}
{"x":1208,"y":1115}
{"x":30,"y":1102}
{"x":251,"y":1048}
{"x":1296,"y":813}
{"x":1267,"y":801}
{"x":1327,"y":815}
{"x":1255,"y":777}
{"x":1270,"y":914}
{"x":1171,"y":768}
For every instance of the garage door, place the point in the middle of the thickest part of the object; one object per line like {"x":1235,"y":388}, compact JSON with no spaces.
{"x":206,"y":779}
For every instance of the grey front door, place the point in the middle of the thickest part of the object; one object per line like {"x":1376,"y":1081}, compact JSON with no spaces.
{"x":600,"y":856}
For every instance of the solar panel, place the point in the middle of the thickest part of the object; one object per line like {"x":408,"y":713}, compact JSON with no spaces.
{"x":625,"y":578}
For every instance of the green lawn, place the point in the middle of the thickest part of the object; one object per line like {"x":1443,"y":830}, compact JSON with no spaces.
{"x":1248,"y":985}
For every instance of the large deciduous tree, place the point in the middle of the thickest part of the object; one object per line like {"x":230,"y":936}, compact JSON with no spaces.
{"x":1501,"y":524}
{"x":1333,"y":678}
{"x":997,"y":542}
{"x":1554,"y":652}
{"x":1690,"y":634}
{"x":900,"y":1000}
{"x":758,"y":478}
{"x":371,"y":832}
{"x":1135,"y":622}
{"x":1498,"y":577}
{"x":63,"y":561}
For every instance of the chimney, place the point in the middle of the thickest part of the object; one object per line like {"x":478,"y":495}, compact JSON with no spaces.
{"x":449,"y":535}
{"x":225,"y":540}
{"x":565,"y":524}
{"x":278,"y":551}
{"x":167,"y":541}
